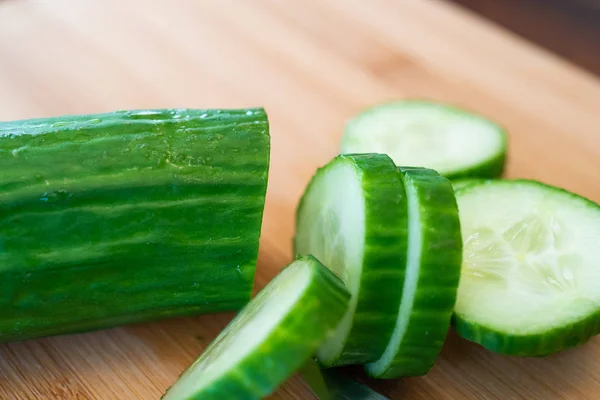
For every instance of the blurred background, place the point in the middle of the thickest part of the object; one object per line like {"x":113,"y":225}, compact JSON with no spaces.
{"x":570,"y":28}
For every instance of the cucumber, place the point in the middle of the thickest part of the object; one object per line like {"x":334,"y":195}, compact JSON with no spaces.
{"x":353,"y":218}
{"x":460,"y":184}
{"x":452,"y":141}
{"x":342,"y":387}
{"x":130,"y":216}
{"x":432,"y":277}
{"x":333,"y":384}
{"x":270,"y":339}
{"x":530,"y":283}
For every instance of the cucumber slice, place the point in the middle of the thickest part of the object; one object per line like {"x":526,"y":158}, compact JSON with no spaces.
{"x":272,"y":337}
{"x":432,"y":276}
{"x":530,"y":284}
{"x":353,"y":218}
{"x":454,"y":142}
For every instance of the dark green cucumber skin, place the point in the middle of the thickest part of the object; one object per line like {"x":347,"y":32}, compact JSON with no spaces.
{"x":491,"y":169}
{"x":439,"y":275}
{"x":289,"y":346}
{"x":342,"y":387}
{"x":130,"y":216}
{"x":529,"y":345}
{"x":384,"y":258}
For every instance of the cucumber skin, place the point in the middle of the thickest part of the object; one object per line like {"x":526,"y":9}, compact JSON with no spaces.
{"x":383,"y":260}
{"x":532,"y":345}
{"x":289,"y":346}
{"x":343,"y":387}
{"x":441,"y":259}
{"x":528,"y":345}
{"x":125,"y":217}
{"x":488,"y":169}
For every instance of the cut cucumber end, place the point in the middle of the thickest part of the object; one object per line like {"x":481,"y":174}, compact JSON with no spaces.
{"x":353,"y":218}
{"x":432,"y":277}
{"x":530,"y":281}
{"x":270,"y":338}
{"x":452,"y":141}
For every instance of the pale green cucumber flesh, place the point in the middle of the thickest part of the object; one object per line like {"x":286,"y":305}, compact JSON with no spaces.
{"x":432,"y":277}
{"x":530,"y":281}
{"x":460,"y":184}
{"x":270,"y":339}
{"x":353,"y":218}
{"x":452,"y":141}
{"x":124,"y":217}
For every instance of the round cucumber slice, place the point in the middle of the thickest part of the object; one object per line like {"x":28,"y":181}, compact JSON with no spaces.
{"x":432,"y":277}
{"x":454,"y":142}
{"x":530,"y":281}
{"x":353,"y":218}
{"x":272,"y":337}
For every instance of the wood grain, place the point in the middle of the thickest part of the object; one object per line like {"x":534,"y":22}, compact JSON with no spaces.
{"x":311,"y":64}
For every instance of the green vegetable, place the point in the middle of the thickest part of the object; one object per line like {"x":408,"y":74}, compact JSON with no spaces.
{"x":332,"y":384}
{"x":460,"y":184}
{"x":432,"y":277}
{"x":530,"y":283}
{"x":129,"y":216}
{"x":454,"y":142}
{"x":270,"y":339}
{"x":353,"y":218}
{"x":314,"y":379}
{"x":342,"y":387}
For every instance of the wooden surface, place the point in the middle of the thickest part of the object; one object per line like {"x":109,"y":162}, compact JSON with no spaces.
{"x":569,"y":28}
{"x":312,"y":64}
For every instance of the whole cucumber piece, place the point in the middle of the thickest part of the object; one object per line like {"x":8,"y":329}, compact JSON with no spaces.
{"x":128,"y":216}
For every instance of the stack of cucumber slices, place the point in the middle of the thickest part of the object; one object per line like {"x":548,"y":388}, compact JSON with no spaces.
{"x":409,"y":231}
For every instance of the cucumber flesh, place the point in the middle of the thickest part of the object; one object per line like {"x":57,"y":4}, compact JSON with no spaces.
{"x":454,"y":142}
{"x":353,"y":218}
{"x":270,"y":339}
{"x":432,"y":277}
{"x":460,"y":184}
{"x":530,"y":284}
{"x":124,"y":217}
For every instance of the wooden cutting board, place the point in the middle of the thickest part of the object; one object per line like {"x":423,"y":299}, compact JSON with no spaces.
{"x":311,"y":64}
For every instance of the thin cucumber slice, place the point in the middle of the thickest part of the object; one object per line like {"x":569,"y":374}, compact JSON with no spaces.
{"x":432,"y":277}
{"x":272,"y":337}
{"x":353,"y":217}
{"x":454,"y":142}
{"x":530,"y":283}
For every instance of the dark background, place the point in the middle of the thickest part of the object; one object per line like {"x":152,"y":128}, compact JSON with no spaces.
{"x":569,"y":28}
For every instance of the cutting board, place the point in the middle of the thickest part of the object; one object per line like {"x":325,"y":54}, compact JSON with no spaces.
{"x":312,"y":64}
